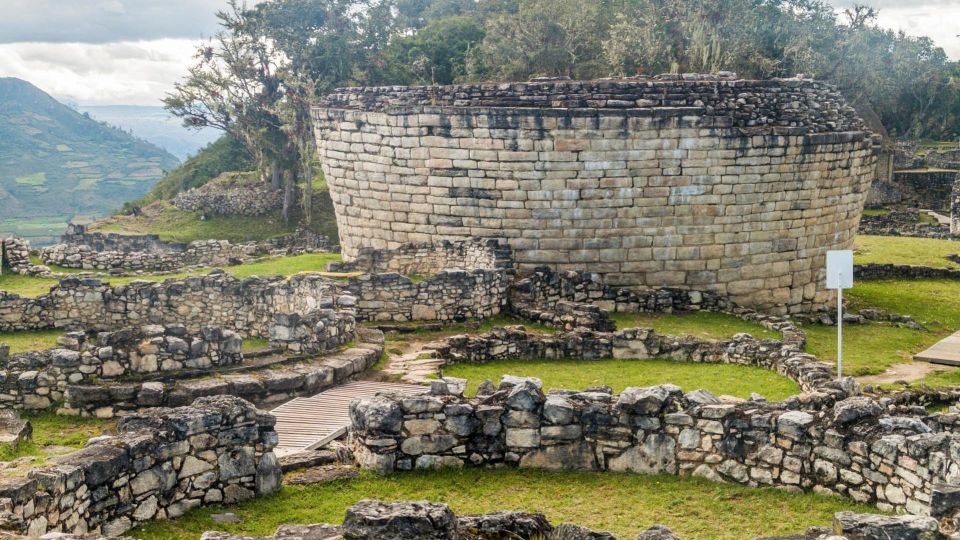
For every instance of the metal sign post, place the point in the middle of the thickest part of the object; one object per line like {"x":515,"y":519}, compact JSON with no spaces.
{"x":839,"y":277}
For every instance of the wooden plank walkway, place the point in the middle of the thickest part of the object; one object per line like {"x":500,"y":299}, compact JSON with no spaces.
{"x":309,"y":423}
{"x":945,"y":351}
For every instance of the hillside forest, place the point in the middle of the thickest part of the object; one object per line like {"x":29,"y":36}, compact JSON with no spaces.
{"x":258,"y":76}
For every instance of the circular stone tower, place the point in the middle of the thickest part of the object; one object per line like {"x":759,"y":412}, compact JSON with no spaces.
{"x":732,"y":186}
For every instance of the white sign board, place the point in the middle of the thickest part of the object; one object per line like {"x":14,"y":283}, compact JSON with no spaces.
{"x":840,"y":269}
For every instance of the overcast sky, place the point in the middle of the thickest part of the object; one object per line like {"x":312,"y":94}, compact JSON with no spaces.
{"x":100,"y":52}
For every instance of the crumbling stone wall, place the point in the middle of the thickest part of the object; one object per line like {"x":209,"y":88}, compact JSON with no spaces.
{"x":245,"y":306}
{"x":857,"y":448}
{"x":427,"y":259}
{"x":955,"y":207}
{"x":37,"y":380}
{"x":15,"y":255}
{"x":735,"y":187}
{"x":162,"y":463}
{"x":265,"y":386}
{"x":928,"y":189}
{"x":902,"y":222}
{"x":217,"y":199}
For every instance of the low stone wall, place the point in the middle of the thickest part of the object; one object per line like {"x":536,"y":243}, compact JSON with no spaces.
{"x":853,"y":448}
{"x":904,"y":222}
{"x":237,"y":199}
{"x":955,"y":207}
{"x":426,"y":259}
{"x":218,"y":299}
{"x":449,"y":295}
{"x":199,"y":253}
{"x":267,"y":387}
{"x":903,"y":271}
{"x":37,"y":380}
{"x":163,"y":463}
{"x":515,"y":343}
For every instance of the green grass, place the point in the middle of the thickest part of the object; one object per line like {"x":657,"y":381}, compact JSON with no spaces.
{"x":703,"y":324}
{"x":876,"y":211}
{"x":30,"y":341}
{"x":251,"y":344}
{"x":721,"y":379}
{"x":53,"y":435}
{"x":623,"y":504}
{"x":871,"y":348}
{"x":286,"y":266}
{"x":905,"y":250}
{"x":467,"y":327}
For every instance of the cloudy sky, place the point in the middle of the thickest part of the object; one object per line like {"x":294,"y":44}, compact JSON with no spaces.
{"x":99,"y":52}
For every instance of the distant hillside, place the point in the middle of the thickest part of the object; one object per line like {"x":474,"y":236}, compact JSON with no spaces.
{"x":156,"y":125}
{"x":226,"y":154}
{"x":57,"y":164}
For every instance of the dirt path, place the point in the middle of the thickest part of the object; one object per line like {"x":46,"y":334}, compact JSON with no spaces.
{"x":415,"y":363}
{"x":910,"y":372}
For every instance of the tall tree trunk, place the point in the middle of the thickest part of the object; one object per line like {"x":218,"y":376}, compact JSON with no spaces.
{"x":275,"y":173}
{"x":308,"y":193}
{"x":289,"y":194}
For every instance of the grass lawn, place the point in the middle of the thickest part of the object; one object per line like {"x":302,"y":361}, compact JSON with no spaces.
{"x":282,"y":266}
{"x":905,"y":250}
{"x":53,"y":435}
{"x":34,"y":340}
{"x":703,"y":324}
{"x":623,"y":504}
{"x":871,"y":348}
{"x":734,"y":380}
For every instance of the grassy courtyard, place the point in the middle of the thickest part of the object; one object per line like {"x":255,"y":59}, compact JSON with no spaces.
{"x":721,"y":379}
{"x":34,"y":340}
{"x":623,"y":504}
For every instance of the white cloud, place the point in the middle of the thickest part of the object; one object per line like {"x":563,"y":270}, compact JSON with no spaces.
{"x":937,"y":19}
{"x":126,"y":72}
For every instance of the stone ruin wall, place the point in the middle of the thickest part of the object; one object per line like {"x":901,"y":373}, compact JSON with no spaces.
{"x":162,"y":463}
{"x":736,"y":187}
{"x":427,"y":259}
{"x":897,"y":459}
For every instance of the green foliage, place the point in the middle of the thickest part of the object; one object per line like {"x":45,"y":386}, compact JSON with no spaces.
{"x":434,"y":55}
{"x":223,"y":155}
{"x":721,"y":379}
{"x":702,"y":324}
{"x":694,"y":508}
{"x":57,"y":164}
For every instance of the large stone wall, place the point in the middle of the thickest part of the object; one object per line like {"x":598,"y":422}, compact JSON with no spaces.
{"x":736,"y":187}
{"x":923,"y":188}
{"x":427,"y":259}
{"x":163,"y":463}
{"x":886,"y":456}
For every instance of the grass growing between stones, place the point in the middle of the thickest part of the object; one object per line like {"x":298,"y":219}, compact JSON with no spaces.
{"x":905,"y":250}
{"x":623,"y":504}
{"x":734,"y":380}
{"x":53,"y":436}
{"x":702,"y":324}
{"x":37,"y":340}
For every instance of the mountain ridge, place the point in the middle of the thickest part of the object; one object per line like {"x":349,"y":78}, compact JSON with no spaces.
{"x":57,"y":164}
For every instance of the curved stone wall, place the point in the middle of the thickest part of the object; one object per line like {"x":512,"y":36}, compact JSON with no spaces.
{"x":736,"y":187}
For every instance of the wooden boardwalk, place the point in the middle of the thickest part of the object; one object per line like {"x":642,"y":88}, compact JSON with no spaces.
{"x":945,"y":351}
{"x":309,"y":423}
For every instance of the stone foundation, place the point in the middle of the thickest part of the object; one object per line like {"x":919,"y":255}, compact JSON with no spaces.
{"x":163,"y":463}
{"x":735,"y":187}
